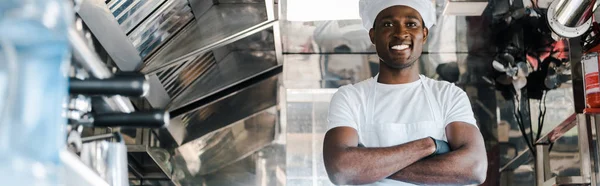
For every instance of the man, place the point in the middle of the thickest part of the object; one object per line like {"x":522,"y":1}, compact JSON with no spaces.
{"x":402,"y":128}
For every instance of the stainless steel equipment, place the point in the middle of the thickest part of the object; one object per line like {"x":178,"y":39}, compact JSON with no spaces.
{"x":214,"y":65}
{"x":571,"y":18}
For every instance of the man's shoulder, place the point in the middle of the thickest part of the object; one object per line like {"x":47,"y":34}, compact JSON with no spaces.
{"x":443,"y":87}
{"x":355,"y":91}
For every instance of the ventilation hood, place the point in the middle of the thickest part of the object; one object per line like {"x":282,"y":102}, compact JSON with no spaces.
{"x":213,"y":64}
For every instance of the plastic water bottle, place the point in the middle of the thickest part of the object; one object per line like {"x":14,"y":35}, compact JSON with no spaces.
{"x":34,"y":54}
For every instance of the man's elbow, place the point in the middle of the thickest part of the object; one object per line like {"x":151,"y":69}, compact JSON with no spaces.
{"x":479,"y":171}
{"x":343,"y":175}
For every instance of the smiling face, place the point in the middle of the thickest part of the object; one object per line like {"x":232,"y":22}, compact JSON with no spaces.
{"x":399,"y":35}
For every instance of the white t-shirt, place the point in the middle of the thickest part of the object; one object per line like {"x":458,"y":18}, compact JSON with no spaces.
{"x":386,"y":115}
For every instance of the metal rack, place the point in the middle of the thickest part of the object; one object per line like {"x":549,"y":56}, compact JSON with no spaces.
{"x":587,"y":122}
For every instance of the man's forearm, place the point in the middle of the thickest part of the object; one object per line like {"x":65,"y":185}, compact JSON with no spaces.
{"x":358,"y":165}
{"x":456,"y":167}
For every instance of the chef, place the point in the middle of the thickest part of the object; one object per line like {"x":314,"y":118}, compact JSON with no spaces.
{"x":400,"y":127}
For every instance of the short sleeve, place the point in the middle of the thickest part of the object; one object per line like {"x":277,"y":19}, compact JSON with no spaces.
{"x":342,"y":110}
{"x":458,"y":108}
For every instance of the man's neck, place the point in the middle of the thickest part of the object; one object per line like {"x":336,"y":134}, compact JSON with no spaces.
{"x":388,"y":75}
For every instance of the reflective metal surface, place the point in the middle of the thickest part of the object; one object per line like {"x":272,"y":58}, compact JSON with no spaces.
{"x":265,"y":167}
{"x":234,"y":68}
{"x":108,"y":159}
{"x":220,"y":25}
{"x":79,"y":173}
{"x":213,"y":64}
{"x":130,"y":13}
{"x":569,"y":18}
{"x":161,"y":26}
{"x":88,"y":59}
{"x":223,"y":147}
{"x":214,"y":71}
{"x":231,"y":108}
{"x":106,"y":29}
{"x":573,"y":13}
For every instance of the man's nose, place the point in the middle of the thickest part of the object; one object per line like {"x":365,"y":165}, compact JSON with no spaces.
{"x":401,"y":32}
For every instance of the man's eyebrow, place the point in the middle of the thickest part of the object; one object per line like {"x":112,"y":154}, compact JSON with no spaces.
{"x":412,"y":17}
{"x":392,"y":17}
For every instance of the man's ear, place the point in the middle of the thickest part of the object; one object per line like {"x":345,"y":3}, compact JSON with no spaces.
{"x":425,"y":34}
{"x":372,"y":35}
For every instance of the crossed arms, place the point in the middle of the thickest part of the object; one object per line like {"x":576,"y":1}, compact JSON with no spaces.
{"x":348,"y":164}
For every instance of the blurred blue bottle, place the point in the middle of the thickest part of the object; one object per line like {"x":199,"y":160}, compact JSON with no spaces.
{"x":34,"y":58}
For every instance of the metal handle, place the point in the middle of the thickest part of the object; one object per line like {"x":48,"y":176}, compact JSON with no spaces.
{"x":145,"y":119}
{"x":131,"y":86}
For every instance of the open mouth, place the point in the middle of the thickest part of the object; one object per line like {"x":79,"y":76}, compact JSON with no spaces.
{"x":400,"y":47}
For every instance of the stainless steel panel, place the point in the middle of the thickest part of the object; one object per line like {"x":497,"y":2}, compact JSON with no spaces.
{"x":236,"y":67}
{"x":178,"y":78}
{"x":265,"y":167}
{"x":223,"y":147}
{"x":168,"y":20}
{"x":137,"y":17}
{"x":208,"y":118}
{"x":221,"y":25}
{"x":99,"y":19}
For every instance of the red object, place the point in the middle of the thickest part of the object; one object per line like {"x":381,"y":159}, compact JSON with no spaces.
{"x":590,"y":70}
{"x":591,"y":110}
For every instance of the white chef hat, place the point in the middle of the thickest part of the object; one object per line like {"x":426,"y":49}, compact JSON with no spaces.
{"x":369,"y":9}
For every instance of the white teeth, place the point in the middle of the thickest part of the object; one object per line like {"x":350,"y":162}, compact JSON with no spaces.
{"x":400,"y":47}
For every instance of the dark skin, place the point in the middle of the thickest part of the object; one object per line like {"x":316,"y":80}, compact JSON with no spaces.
{"x":348,"y":164}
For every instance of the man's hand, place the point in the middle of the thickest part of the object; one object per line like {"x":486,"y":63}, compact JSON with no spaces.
{"x":465,"y":164}
{"x":348,"y":164}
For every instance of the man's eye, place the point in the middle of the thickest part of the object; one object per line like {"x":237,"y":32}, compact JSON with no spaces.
{"x":388,"y":24}
{"x":411,"y":24}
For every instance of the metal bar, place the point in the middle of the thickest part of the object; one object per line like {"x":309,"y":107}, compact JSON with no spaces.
{"x":98,"y":137}
{"x":559,"y":130}
{"x":86,"y":57}
{"x":594,"y":147}
{"x":575,"y":54}
{"x":584,"y":137}
{"x":540,"y":168}
{"x":523,"y":157}
{"x":92,"y":63}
